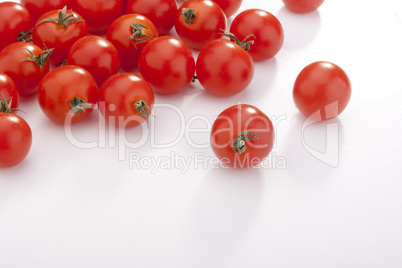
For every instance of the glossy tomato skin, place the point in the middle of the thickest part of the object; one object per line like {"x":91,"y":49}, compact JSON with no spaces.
{"x":229,"y":6}
{"x":167,"y":64}
{"x":117,"y":98}
{"x":207,"y":25}
{"x":58,"y":37}
{"x":120,"y":33}
{"x":15,"y":139}
{"x":232,"y":122}
{"x":97,"y":55}
{"x":266,"y":28}
{"x":26,"y":74}
{"x":15,"y":18}
{"x":303,"y":6}
{"x":160,"y":12}
{"x":98,"y":14}
{"x":224,"y":68}
{"x":39,"y":7}
{"x":322,"y":90}
{"x":8,"y":90}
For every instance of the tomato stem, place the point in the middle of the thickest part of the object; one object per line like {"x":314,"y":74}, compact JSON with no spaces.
{"x":62,"y":19}
{"x":244,"y":44}
{"x":25,"y":36}
{"x":5,"y":105}
{"x":41,"y":59}
{"x":143,"y":108}
{"x":138,"y":33}
{"x":78,"y":106}
{"x":239,"y":144}
{"x":189,"y":15}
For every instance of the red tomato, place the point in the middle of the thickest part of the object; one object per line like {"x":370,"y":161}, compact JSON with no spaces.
{"x":96,"y":55}
{"x":224,"y":68}
{"x":242,"y":136}
{"x":198,"y":22}
{"x":322,"y":90}
{"x":229,"y":6}
{"x":15,"y":139}
{"x":15,"y":19}
{"x":160,"y":12}
{"x":98,"y":14}
{"x":8,"y":91}
{"x":167,"y":64}
{"x":39,"y":7}
{"x":59,"y":29}
{"x":129,"y":34}
{"x":126,"y":100}
{"x":67,"y":94}
{"x":267,"y":31}
{"x":25,"y":64}
{"x":302,"y":6}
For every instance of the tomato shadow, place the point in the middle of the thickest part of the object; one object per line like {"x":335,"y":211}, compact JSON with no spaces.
{"x":312,"y":149}
{"x":224,"y":209}
{"x":300,"y":29}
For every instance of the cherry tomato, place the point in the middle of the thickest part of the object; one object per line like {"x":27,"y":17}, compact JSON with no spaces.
{"x":302,"y":6}
{"x":59,"y":29}
{"x":25,"y":64}
{"x":96,"y":55}
{"x":242,"y":136}
{"x":224,"y":68}
{"x":160,"y":12}
{"x":39,"y":7}
{"x":15,"y":19}
{"x":167,"y":64}
{"x":198,"y":22}
{"x":9,"y":91}
{"x":98,"y":14}
{"x":15,"y":139}
{"x":67,"y":94}
{"x":229,"y":6}
{"x":126,"y":100}
{"x":129,"y":34}
{"x":266,"y":28}
{"x":322,"y":90}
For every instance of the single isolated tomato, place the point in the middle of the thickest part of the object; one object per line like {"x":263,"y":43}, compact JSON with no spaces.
{"x":25,"y":64}
{"x":302,"y":6}
{"x":129,"y":34}
{"x":98,"y":14}
{"x":229,"y":6}
{"x":322,"y":91}
{"x":167,"y":64}
{"x":126,"y":100}
{"x":160,"y":12}
{"x":242,"y":136}
{"x":9,"y":92}
{"x":97,"y":55}
{"x":198,"y":22}
{"x":39,"y":7}
{"x":224,"y":68}
{"x":67,"y":94}
{"x":266,"y":31}
{"x":15,"y":136}
{"x":15,"y":23}
{"x":59,"y":29}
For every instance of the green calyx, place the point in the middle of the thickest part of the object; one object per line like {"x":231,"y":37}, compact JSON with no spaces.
{"x":239,"y":144}
{"x":189,"y":15}
{"x":62,"y":20}
{"x":138,"y":33}
{"x":5,"y":105}
{"x":244,"y":44}
{"x":78,"y":106}
{"x":143,"y":108}
{"x":25,"y":36}
{"x":41,"y":59}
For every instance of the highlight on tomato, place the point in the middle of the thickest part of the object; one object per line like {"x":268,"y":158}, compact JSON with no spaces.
{"x":322,"y":90}
{"x":242,"y":136}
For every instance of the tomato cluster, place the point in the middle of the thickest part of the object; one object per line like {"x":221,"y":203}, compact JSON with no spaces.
{"x":79,"y":54}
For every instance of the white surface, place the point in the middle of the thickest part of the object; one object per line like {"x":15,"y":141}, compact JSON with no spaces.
{"x":71,"y":207}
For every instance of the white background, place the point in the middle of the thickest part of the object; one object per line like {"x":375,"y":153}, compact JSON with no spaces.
{"x":70,"y":207}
